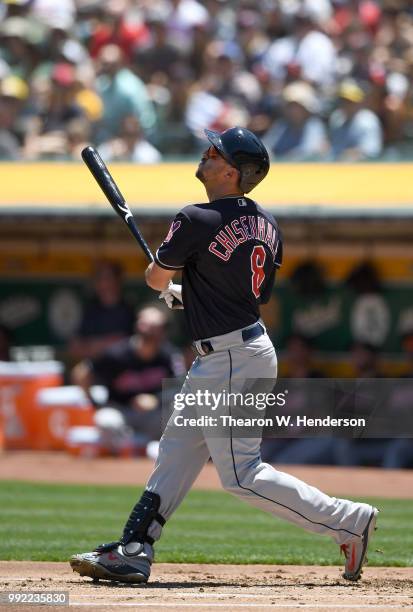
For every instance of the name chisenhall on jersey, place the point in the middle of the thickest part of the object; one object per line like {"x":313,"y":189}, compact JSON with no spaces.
{"x":238,"y":231}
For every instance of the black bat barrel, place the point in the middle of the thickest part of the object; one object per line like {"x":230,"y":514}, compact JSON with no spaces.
{"x":105,"y":181}
{"x":102,"y":176}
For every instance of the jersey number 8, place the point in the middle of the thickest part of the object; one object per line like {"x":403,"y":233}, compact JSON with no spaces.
{"x":257,"y":268}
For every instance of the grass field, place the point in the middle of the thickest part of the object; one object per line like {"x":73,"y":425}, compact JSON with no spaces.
{"x":50,"y":522}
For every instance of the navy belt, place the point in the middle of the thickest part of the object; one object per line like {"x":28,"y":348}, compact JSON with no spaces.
{"x":250,"y":333}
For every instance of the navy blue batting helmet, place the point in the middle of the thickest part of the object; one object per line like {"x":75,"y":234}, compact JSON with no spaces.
{"x":243,"y":150}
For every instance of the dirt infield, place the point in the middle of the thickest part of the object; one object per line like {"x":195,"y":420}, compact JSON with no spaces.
{"x":211,"y":587}
{"x":227,"y":587}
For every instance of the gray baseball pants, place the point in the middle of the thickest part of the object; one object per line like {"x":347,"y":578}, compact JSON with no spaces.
{"x":238,"y":460}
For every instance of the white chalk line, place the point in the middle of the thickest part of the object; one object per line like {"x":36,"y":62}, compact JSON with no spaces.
{"x":255,"y":595}
{"x":268,"y":592}
{"x":180,"y":604}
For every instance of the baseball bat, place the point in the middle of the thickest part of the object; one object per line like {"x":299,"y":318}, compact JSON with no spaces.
{"x":105,"y":181}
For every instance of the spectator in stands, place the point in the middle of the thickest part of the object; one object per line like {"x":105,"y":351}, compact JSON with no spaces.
{"x":184,"y":16}
{"x":299,"y":134}
{"x":355,"y":131}
{"x":20,"y":41}
{"x":307,"y":52}
{"x":158,"y":55}
{"x":62,"y":13}
{"x":226,"y":78}
{"x":133,"y":371}
{"x":300,"y":357}
{"x":58,"y":20}
{"x":365,"y":360}
{"x":252,"y":35}
{"x":394,"y":102}
{"x":205,"y":109}
{"x":56,"y":108}
{"x":114,"y":28}
{"x":122,"y":93}
{"x":78,"y":136}
{"x":173,"y":134}
{"x":223,"y":94}
{"x":107,"y":317}
{"x":130,"y":145}
{"x":13,"y":94}
{"x":87,"y":97}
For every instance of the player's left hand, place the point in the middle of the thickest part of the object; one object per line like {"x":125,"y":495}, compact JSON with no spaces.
{"x":172,"y":296}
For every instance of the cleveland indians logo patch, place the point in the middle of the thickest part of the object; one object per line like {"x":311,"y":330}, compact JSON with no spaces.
{"x":175,"y":225}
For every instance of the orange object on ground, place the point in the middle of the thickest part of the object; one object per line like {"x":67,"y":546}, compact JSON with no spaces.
{"x":19,"y":384}
{"x":57,"y":411}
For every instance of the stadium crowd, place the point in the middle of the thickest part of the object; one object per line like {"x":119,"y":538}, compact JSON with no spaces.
{"x":318,"y":79}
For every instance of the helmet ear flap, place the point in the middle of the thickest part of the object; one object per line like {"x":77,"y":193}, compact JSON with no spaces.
{"x":250,"y":176}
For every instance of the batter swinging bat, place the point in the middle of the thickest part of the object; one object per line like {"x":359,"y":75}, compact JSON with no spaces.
{"x":105,"y":181}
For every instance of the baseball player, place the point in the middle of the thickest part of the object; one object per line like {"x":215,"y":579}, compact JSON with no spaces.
{"x":228,"y":250}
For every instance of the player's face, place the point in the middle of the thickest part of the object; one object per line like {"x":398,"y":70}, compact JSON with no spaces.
{"x":212,"y":169}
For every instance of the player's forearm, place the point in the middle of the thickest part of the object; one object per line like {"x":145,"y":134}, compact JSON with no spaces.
{"x":158,"y":278}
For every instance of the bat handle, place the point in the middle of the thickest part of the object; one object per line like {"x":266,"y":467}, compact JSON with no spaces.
{"x":140,"y":239}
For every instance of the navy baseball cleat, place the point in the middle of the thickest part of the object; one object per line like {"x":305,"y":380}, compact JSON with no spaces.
{"x":355,"y":552}
{"x":130,"y":563}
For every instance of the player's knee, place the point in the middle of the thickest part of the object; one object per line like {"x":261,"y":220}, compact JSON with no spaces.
{"x":237,"y":487}
{"x":232,"y":488}
{"x":228,"y":481}
{"x":232,"y":483}
{"x":240,"y":477}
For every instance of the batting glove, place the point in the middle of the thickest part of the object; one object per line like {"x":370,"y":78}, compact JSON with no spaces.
{"x":172,"y":296}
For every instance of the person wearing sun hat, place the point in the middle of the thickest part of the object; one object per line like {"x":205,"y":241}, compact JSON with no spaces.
{"x":14,"y":87}
{"x":299,"y":134}
{"x":355,"y":131}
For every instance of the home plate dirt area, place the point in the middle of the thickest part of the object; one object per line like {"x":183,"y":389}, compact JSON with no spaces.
{"x":213,"y":587}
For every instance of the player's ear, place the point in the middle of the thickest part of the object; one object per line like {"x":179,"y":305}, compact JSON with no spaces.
{"x":232,"y":173}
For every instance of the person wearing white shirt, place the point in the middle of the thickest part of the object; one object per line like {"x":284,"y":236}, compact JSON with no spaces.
{"x":308,"y":54}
